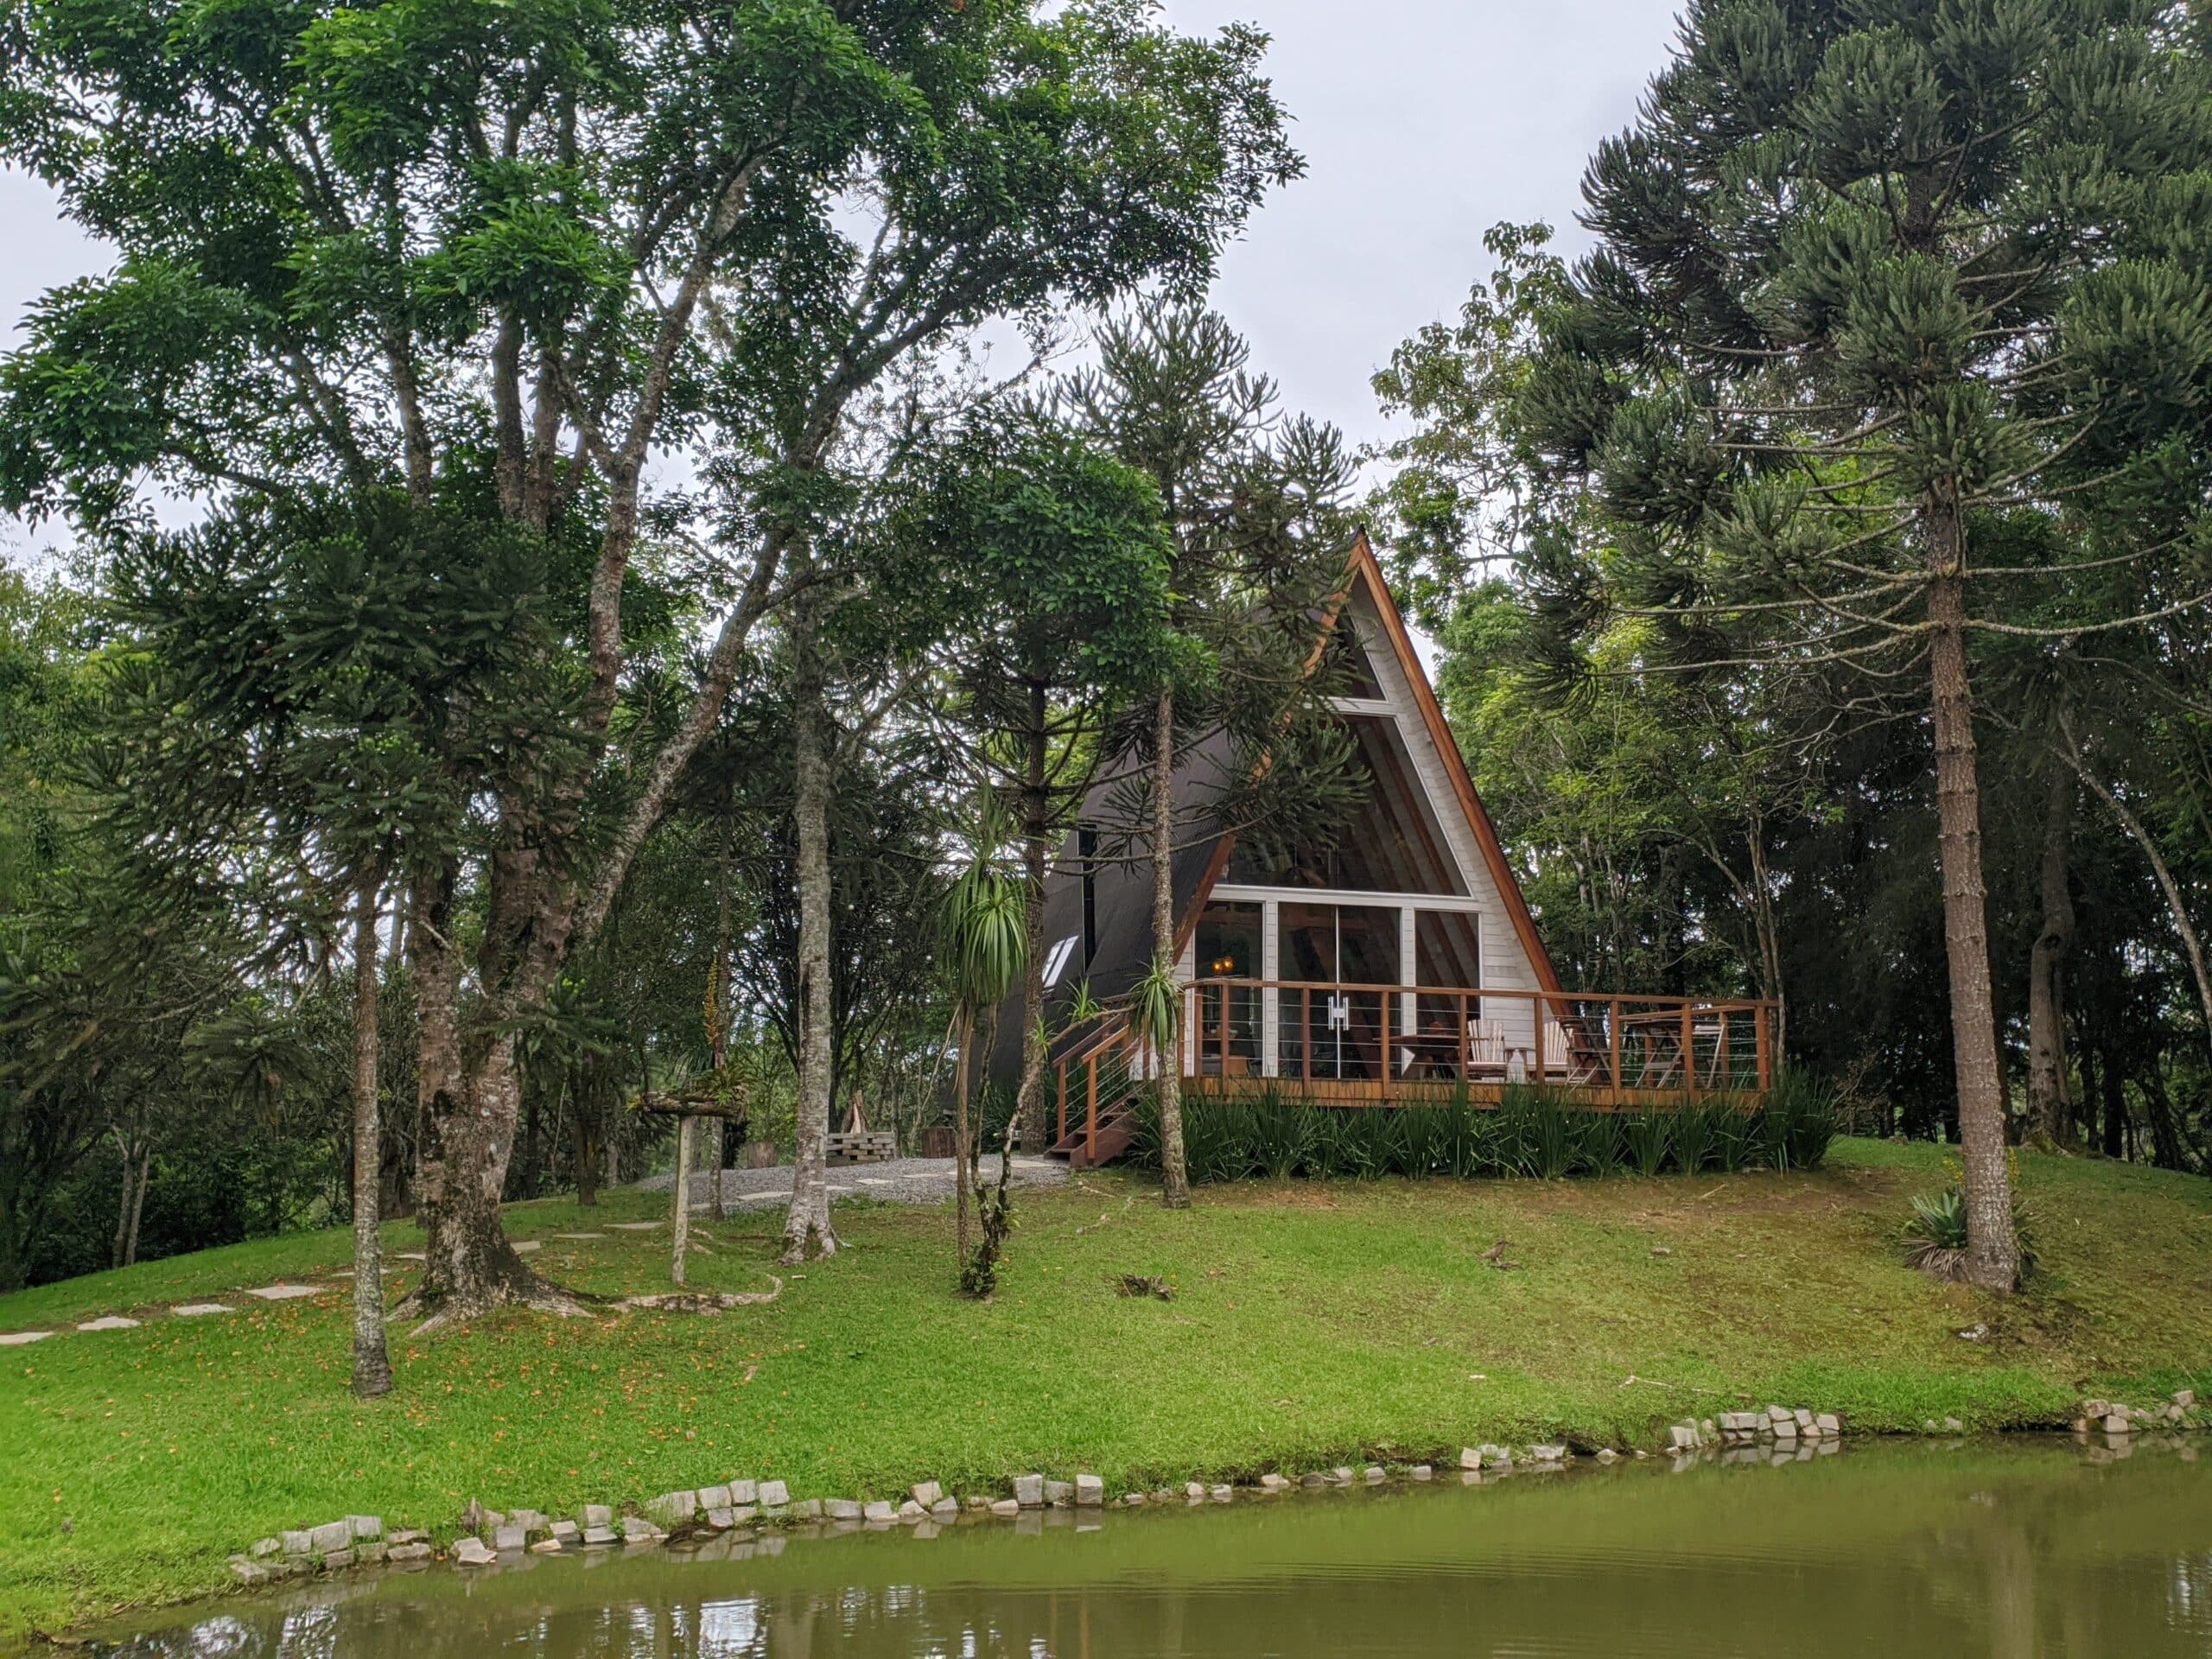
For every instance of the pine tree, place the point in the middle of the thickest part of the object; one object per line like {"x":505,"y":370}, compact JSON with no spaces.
{"x":1858,"y":306}
{"x":1254,"y":499}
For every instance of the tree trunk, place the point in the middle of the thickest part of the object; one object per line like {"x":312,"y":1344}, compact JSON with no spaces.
{"x":128,"y":1146}
{"x":680,"y":1223}
{"x":2192,"y":942}
{"x":586,"y":1155}
{"x":138,"y":1204}
{"x":2158,"y":1109}
{"x":1036,"y":824}
{"x":2116,"y":1136}
{"x":372,"y":1362}
{"x":468,"y":1106}
{"x":807,"y":1230}
{"x":718,"y":1016}
{"x":1992,"y":1251}
{"x":2049,"y":1108}
{"x":1175,"y":1176}
{"x":965,"y":1029}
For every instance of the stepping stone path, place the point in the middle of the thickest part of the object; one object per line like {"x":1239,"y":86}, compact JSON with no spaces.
{"x":523,"y":1247}
{"x":285,"y":1292}
{"x":23,"y":1338}
{"x":112,"y":1322}
{"x":413,"y":1255}
{"x":196,"y":1310}
{"x":579,"y":1236}
{"x":635,"y":1226}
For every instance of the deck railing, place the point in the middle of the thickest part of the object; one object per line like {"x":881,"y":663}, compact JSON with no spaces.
{"x":1380,"y":1044}
{"x":1388,"y":1040}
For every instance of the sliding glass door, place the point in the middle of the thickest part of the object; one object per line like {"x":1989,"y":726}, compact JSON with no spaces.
{"x":1331,"y":1028}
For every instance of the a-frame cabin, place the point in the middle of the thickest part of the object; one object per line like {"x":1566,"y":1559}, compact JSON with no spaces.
{"x":1399,"y":963}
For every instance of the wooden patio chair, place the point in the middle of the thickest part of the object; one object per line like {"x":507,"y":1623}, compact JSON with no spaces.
{"x":1580,"y":1067}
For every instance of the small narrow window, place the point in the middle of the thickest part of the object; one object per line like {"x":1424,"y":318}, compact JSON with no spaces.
{"x":1055,"y":960}
{"x":1086,"y":847}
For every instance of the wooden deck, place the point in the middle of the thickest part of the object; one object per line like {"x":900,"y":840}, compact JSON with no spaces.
{"x":1388,"y":1046}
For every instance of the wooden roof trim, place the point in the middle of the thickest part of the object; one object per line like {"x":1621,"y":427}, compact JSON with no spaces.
{"x":1369,"y":569}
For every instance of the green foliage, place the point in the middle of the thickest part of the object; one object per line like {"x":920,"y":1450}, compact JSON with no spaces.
{"x":1936,"y":1233}
{"x":1650,"y":1137}
{"x":1539,"y":1134}
{"x":1154,"y":1006}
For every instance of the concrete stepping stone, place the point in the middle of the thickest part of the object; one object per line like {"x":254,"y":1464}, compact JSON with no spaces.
{"x":523,"y":1247}
{"x":413,"y":1255}
{"x":200,"y":1310}
{"x":579,"y":1237}
{"x":111,"y":1322}
{"x":285,"y":1292}
{"x":24,"y":1338}
{"x":635,"y":1226}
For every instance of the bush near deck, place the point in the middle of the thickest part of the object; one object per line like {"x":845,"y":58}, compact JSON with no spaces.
{"x":1314,"y":1323}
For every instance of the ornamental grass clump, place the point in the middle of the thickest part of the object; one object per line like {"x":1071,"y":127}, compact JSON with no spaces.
{"x":1534,"y":1132}
{"x":1936,"y":1236}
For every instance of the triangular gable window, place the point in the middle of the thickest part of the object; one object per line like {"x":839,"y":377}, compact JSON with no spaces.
{"x":1393,"y":843}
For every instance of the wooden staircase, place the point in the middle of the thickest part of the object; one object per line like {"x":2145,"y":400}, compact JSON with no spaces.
{"x":1098,"y":1080}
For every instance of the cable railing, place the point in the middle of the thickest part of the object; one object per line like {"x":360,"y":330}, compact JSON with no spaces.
{"x":1386,"y":1041}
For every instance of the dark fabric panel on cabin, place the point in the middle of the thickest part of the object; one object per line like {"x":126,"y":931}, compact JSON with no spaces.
{"x":1122,"y":897}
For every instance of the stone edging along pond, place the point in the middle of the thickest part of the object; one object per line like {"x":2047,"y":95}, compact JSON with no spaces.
{"x":742,"y":1509}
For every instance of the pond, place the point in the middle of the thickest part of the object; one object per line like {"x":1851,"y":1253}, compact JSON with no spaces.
{"x":2018,"y":1551}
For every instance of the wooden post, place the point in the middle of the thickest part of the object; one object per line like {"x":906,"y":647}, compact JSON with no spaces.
{"x":1465,"y":1046}
{"x":682,"y":1228}
{"x":1223,"y":991}
{"x":1613,"y":1025}
{"x":1542,"y":1009}
{"x":1689,"y":1052}
{"x":1063,"y":1135}
{"x":1090,"y":1114}
{"x":1765,"y":1038}
{"x":1724,"y":1057}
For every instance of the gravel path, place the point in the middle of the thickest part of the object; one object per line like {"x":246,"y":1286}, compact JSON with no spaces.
{"x":903,"y":1180}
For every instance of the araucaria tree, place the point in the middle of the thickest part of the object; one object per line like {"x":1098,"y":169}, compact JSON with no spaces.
{"x":1254,"y":501}
{"x":1052,"y":560}
{"x":1860,"y":302}
{"x":501,"y":254}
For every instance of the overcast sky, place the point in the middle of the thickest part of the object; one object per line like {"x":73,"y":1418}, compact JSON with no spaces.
{"x":1423,"y":122}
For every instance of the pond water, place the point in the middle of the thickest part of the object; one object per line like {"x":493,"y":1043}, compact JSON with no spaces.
{"x":2010,"y":1552}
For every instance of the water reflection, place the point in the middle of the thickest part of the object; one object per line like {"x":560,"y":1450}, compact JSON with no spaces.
{"x":2015,"y":1552}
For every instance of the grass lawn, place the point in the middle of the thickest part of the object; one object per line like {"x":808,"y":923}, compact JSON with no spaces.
{"x":1314,"y":1324}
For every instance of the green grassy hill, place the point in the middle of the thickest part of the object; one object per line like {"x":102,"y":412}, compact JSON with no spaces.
{"x":1312,"y":1324}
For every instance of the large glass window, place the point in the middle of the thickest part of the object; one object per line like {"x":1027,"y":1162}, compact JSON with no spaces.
{"x":1226,"y":1029}
{"x":1447,"y":957}
{"x":1329,"y":1027}
{"x":1392,"y":842}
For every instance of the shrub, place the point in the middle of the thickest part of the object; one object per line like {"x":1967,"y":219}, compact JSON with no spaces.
{"x":1536,"y":1131}
{"x":1217,"y":1140}
{"x":1809,"y":1111}
{"x":1735,"y":1135}
{"x":1695,"y":1139}
{"x":1283,"y":1135}
{"x":1936,"y":1236}
{"x":1596,"y":1141}
{"x":1424,"y":1141}
{"x":1649,"y":1136}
